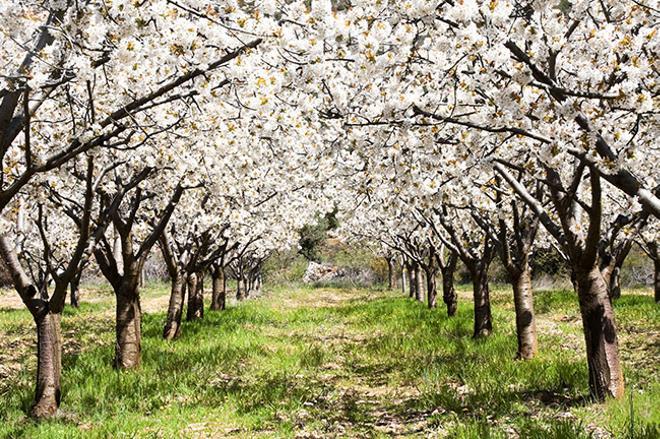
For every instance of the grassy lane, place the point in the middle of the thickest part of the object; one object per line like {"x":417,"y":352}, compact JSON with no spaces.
{"x":304,"y":362}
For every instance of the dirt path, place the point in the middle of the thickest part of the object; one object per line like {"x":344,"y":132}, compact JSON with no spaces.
{"x":360,"y":401}
{"x":351,"y":375}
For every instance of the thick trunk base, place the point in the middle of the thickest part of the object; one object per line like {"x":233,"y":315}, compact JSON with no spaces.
{"x":49,"y":366}
{"x":391,"y":281}
{"x":128,"y":329}
{"x":605,"y":372}
{"x":449,"y":293}
{"x":431,"y":290}
{"x":411,"y":282}
{"x":219,"y":291}
{"x":172,"y":327}
{"x":419,"y":288}
{"x":74,"y":290}
{"x":241,"y":294}
{"x":483,"y":320}
{"x":195,"y":309}
{"x":523,"y":300}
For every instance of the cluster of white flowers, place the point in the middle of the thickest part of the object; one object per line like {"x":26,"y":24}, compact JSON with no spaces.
{"x":396,"y":108}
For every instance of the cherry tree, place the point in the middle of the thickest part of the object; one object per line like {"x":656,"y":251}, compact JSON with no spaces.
{"x":70,"y":86}
{"x":510,"y":83}
{"x":57,"y":226}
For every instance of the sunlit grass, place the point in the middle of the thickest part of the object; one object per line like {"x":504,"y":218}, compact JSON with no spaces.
{"x":334,"y":361}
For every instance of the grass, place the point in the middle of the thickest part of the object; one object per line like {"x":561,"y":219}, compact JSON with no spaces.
{"x":335,"y":362}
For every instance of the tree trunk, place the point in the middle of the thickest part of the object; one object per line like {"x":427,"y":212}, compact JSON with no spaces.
{"x":175,"y":309}
{"x":656,"y":264}
{"x":73,"y":288}
{"x":411,"y":281}
{"x":574,"y":280}
{"x":246,"y":287}
{"x":483,"y":324}
{"x":200,"y":294}
{"x":390,"y":274}
{"x":224,"y":287}
{"x":605,"y":373}
{"x":448,"y":290}
{"x":256,"y":285}
{"x":195,"y":309}
{"x":49,"y":365}
{"x":128,"y":326}
{"x":523,"y":300}
{"x":419,"y":288}
{"x":240,"y":293}
{"x":403,"y":279}
{"x":218,"y":297}
{"x":431,"y":289}
{"x":615,"y":282}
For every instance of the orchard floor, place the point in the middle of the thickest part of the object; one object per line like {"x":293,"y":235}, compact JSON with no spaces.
{"x":333,"y":362}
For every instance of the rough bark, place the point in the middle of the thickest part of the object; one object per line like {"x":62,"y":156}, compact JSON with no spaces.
{"x":431,"y":288}
{"x":605,"y":372}
{"x":430,"y":270}
{"x":483,"y":321}
{"x":218,"y":292}
{"x":49,"y":365}
{"x":403,"y":279}
{"x":195,"y":310}
{"x":74,"y":287}
{"x":172,"y":327}
{"x":449,"y":296}
{"x":419,"y":288}
{"x":240,"y":288}
{"x":411,"y":281}
{"x":128,"y":346}
{"x":47,"y":316}
{"x":224,"y":287}
{"x":574,"y":280}
{"x":246,"y":287}
{"x":656,"y":264}
{"x":615,"y":282}
{"x":391,"y":283}
{"x":256,"y":284}
{"x":523,"y":300}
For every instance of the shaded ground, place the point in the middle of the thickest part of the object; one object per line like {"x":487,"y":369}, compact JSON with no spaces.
{"x":303,"y":362}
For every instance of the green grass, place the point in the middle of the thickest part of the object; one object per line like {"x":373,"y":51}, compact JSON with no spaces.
{"x":352,"y":363}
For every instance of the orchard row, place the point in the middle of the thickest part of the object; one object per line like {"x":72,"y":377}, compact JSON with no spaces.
{"x":214,"y":131}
